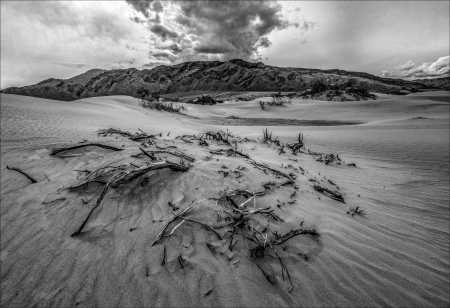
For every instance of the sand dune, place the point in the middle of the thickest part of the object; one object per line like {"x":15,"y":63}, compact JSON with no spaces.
{"x":395,"y":255}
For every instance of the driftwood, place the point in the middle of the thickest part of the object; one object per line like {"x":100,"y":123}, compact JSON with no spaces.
{"x":280,"y":239}
{"x":164,"y":256}
{"x":181,"y":261}
{"x":165,"y":148}
{"x":97,"y":204}
{"x":229,"y":152}
{"x":114,"y":131}
{"x":150,"y":153}
{"x":285,"y":272}
{"x":32,"y":180}
{"x":57,"y":151}
{"x":135,"y":137}
{"x":269,"y":277}
{"x":160,"y":234}
{"x":151,"y":156}
{"x":264,"y":167}
{"x":236,"y":152}
{"x":100,"y":176}
{"x":264,"y":211}
{"x":121,"y":177}
{"x":134,"y":173}
{"x":329,"y":193}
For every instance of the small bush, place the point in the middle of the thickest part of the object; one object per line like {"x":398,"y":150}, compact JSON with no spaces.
{"x":262,"y":105}
{"x":169,"y":107}
{"x":202,"y":100}
{"x":279,"y":100}
{"x":318,"y":86}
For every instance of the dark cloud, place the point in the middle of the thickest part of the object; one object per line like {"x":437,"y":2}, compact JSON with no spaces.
{"x":238,"y":26}
{"x":146,"y":7}
{"x":264,"y":42}
{"x":163,"y":32}
{"x":161,"y":54}
{"x":212,"y":49}
{"x":221,"y":29}
{"x":141,"y":6}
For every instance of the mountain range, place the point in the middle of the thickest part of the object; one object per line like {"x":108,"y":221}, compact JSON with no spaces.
{"x":232,"y":75}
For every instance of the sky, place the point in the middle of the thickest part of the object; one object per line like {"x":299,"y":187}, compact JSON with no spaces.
{"x":60,"y":39}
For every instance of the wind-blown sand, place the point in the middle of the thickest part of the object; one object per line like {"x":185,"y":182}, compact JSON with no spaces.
{"x":396,"y":255}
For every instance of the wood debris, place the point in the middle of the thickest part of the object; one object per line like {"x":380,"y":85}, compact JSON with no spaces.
{"x":29,"y":177}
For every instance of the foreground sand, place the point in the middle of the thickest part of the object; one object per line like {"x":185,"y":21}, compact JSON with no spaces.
{"x":372,"y":260}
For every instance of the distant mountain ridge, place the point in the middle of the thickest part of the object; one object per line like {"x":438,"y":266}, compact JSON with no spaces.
{"x":233,"y":75}
{"x":438,"y":83}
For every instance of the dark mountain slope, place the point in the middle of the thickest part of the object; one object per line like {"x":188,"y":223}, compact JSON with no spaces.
{"x":436,"y":83}
{"x":233,"y":75}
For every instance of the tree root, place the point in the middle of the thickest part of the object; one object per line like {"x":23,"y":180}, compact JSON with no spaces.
{"x":160,"y":234}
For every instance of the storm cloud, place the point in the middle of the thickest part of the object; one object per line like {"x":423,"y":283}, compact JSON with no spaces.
{"x":212,"y":49}
{"x":142,"y":6}
{"x":232,"y":29}
{"x":215,"y":29}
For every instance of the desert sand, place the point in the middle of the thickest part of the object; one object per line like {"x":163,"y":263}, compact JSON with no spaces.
{"x":394,"y":165}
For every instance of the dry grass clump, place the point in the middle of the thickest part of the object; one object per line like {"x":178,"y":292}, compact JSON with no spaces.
{"x":269,"y":138}
{"x":296,"y":147}
{"x":220,"y":136}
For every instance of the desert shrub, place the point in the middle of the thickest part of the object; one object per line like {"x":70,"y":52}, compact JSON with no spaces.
{"x":318,"y":86}
{"x":262,"y":105}
{"x":169,"y":107}
{"x":279,"y":101}
{"x":202,"y":100}
{"x":361,"y":89}
{"x":142,"y":93}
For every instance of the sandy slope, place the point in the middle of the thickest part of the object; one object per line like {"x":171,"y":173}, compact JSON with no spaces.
{"x":397,"y":255}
